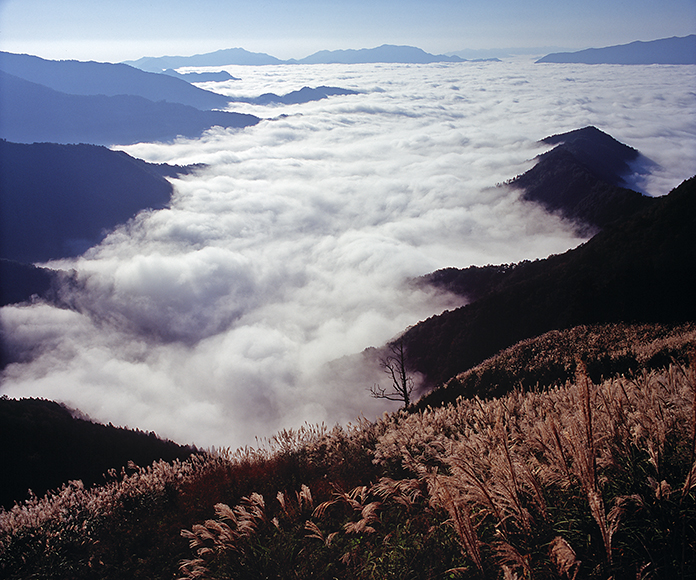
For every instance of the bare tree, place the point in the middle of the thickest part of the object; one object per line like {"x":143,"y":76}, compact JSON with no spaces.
{"x":394,"y":366}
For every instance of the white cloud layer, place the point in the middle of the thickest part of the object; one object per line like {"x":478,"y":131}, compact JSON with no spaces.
{"x":242,"y":309}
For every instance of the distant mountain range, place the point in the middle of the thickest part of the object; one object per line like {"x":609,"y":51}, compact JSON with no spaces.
{"x":386,"y":53}
{"x":108,"y":104}
{"x":102,"y":78}
{"x":664,"y":51}
{"x":304,"y":95}
{"x":218,"y":58}
{"x":102,"y":103}
{"x":238,"y":56}
{"x":31,"y":112}
{"x":201,"y":77}
{"x":675,"y":50}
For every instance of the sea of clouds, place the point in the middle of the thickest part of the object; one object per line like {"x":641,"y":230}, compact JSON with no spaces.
{"x":244,"y":307}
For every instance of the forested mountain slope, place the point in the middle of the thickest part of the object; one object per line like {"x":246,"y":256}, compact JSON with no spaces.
{"x":641,"y":269}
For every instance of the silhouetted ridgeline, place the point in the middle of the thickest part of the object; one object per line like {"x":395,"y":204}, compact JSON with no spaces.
{"x":201,"y":77}
{"x":304,"y":95}
{"x":387,"y":53}
{"x":30,"y":112}
{"x":58,"y":200}
{"x":642,"y":269}
{"x":675,"y":50}
{"x":44,"y":446}
{"x":19,"y":282}
{"x":218,"y":58}
{"x":101,"y":78}
{"x":582,"y":177}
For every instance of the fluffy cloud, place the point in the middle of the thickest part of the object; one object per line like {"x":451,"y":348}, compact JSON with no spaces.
{"x":244,"y":307}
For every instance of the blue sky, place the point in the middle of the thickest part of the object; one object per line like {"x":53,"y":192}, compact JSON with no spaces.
{"x":114,"y":31}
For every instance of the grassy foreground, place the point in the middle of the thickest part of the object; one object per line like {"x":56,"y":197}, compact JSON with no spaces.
{"x":580,"y":480}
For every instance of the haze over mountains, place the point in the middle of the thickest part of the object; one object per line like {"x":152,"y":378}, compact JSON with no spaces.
{"x":663,"y":51}
{"x":675,"y":50}
{"x":386,"y":53}
{"x":102,"y":103}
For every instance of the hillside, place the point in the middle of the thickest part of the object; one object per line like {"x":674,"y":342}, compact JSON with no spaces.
{"x":584,"y":480}
{"x":642,"y":269}
{"x":31,"y":112}
{"x":20,"y":282}
{"x":44,"y":446}
{"x":675,"y":50}
{"x":100,"y":78}
{"x":58,"y":200}
{"x":583,"y":178}
{"x":551,"y":359}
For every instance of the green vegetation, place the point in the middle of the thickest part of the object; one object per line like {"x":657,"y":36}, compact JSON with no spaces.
{"x":579,"y":480}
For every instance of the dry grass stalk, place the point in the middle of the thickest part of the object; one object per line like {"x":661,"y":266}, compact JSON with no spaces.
{"x":564,"y":558}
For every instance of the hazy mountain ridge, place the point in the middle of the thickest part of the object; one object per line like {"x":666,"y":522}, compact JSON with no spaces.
{"x":222,"y":57}
{"x":72,"y":195}
{"x":386,"y":53}
{"x":675,"y":50}
{"x":35,"y":113}
{"x":303,"y":95}
{"x":201,"y":77}
{"x":99,"y":78}
{"x":640,"y":269}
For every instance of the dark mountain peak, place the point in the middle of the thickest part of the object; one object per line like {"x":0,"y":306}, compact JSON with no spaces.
{"x":583,"y":178}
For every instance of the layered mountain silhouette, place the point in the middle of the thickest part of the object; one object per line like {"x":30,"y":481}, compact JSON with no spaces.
{"x":641,"y":269}
{"x":218,"y":58}
{"x":30,"y":112}
{"x":99,"y":78}
{"x":583,"y":178}
{"x":201,"y":77}
{"x":675,"y":50}
{"x":386,"y":53}
{"x":304,"y":95}
{"x":58,"y":200}
{"x":45,"y":445}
